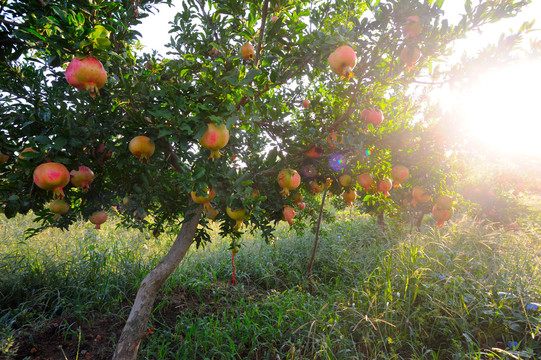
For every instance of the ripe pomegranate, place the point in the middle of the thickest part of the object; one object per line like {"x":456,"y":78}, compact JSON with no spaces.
{"x":101,"y":152}
{"x":399,"y":174}
{"x":3,"y":158}
{"x":274,"y":18}
{"x":332,"y":140}
{"x":142,"y":148}
{"x":412,"y":27}
{"x":288,"y":179}
{"x":444,"y":202}
{"x":289,"y":214}
{"x":306,"y":103}
{"x":419,"y":195}
{"x":204,"y":199}
{"x":410,"y":55}
{"x":298,"y":198}
{"x":247,"y":51}
{"x":97,"y":218}
{"x":442,"y":215}
{"x":345,"y":180}
{"x":349,"y":196}
{"x":314,"y":152}
{"x":59,"y":207}
{"x":28,"y":149}
{"x":214,"y":139}
{"x":365,"y":181}
{"x":82,"y":178}
{"x":301,"y":205}
{"x":86,"y":74}
{"x":238,"y":215}
{"x":315,"y":187}
{"x":384,"y":185}
{"x":343,"y":61}
{"x":372,"y":116}
{"x":52,"y":176}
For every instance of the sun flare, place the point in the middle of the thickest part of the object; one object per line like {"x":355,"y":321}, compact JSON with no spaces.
{"x":502,"y":110}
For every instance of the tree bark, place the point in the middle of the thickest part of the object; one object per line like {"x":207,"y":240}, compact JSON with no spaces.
{"x":313,"y":258}
{"x":136,"y":326}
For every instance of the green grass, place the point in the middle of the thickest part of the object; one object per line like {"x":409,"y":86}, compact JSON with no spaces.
{"x":458,"y":292}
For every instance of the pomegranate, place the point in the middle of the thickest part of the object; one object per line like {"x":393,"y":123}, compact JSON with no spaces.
{"x":52,"y":176}
{"x":97,"y":218}
{"x":214,"y":139}
{"x":384,"y":185}
{"x":204,"y":199}
{"x":289,"y":214}
{"x":399,"y":174}
{"x":343,"y":61}
{"x":274,"y":18}
{"x":442,"y":215}
{"x":247,"y":51}
{"x":372,"y":116}
{"x":444,"y":202}
{"x":59,"y":207}
{"x":142,"y":148}
{"x":419,"y":195}
{"x":412,"y":27}
{"x":86,"y":74}
{"x":315,"y":187}
{"x":288,"y":179}
{"x":349,"y":196}
{"x":211,"y":212}
{"x":82,"y":178}
{"x":28,"y":149}
{"x":314,"y":152}
{"x":345,"y":180}
{"x":306,"y":103}
{"x":238,"y":215}
{"x":410,"y":55}
{"x":298,"y":198}
{"x":365,"y":180}
{"x":3,"y":158}
{"x":301,"y":205}
{"x":332,"y":140}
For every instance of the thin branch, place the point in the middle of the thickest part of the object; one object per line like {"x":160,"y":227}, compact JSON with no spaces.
{"x":262,"y":29}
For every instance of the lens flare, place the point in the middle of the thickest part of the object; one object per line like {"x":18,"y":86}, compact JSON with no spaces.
{"x":337,"y":162}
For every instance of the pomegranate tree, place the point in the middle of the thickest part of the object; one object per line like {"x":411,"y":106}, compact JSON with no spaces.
{"x":288,"y":179}
{"x":82,"y":178}
{"x":215,"y":139}
{"x":59,"y":207}
{"x":142,"y":148}
{"x":342,"y":61}
{"x":52,"y":176}
{"x":86,"y":74}
{"x":97,"y":218}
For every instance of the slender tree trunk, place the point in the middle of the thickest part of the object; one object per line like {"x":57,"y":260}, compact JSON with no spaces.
{"x":136,"y":325}
{"x":311,"y":263}
{"x":380,"y":220}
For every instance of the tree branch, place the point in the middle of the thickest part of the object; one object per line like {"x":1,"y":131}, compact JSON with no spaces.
{"x":262,"y":29}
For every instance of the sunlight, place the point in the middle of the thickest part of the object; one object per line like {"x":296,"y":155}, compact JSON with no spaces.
{"x":502,"y":112}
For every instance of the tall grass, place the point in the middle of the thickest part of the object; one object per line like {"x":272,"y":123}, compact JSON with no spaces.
{"x":458,"y":292}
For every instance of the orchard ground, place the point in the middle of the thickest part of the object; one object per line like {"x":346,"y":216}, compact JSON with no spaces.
{"x":467,"y":290}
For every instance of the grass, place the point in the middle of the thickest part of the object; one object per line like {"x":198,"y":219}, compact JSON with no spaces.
{"x":458,"y":292}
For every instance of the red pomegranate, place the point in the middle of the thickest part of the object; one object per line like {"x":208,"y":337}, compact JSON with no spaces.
{"x":97,"y":218}
{"x":349,"y":196}
{"x":343,"y":61}
{"x":52,"y":176}
{"x":419,"y":195}
{"x":365,"y":180}
{"x":412,"y":27}
{"x":444,"y":202}
{"x":399,"y":174}
{"x":306,"y":103}
{"x":384,"y":185}
{"x":59,"y":207}
{"x":298,"y":198}
{"x":28,"y":149}
{"x":301,"y":205}
{"x":410,"y":55}
{"x":142,"y":148}
{"x":86,"y":74}
{"x":274,"y":18}
{"x":314,"y":152}
{"x":289,"y":214}
{"x":238,"y":215}
{"x":247,"y":51}
{"x":332,"y":140}
{"x":288,"y":179}
{"x":3,"y":158}
{"x":442,"y":215}
{"x":372,"y":116}
{"x":214,"y":139}
{"x":204,"y":199}
{"x":82,"y":178}
{"x":315,"y":187}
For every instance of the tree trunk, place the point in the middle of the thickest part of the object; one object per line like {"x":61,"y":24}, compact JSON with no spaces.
{"x":313,"y":258}
{"x":136,"y":326}
{"x":381,"y":221}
